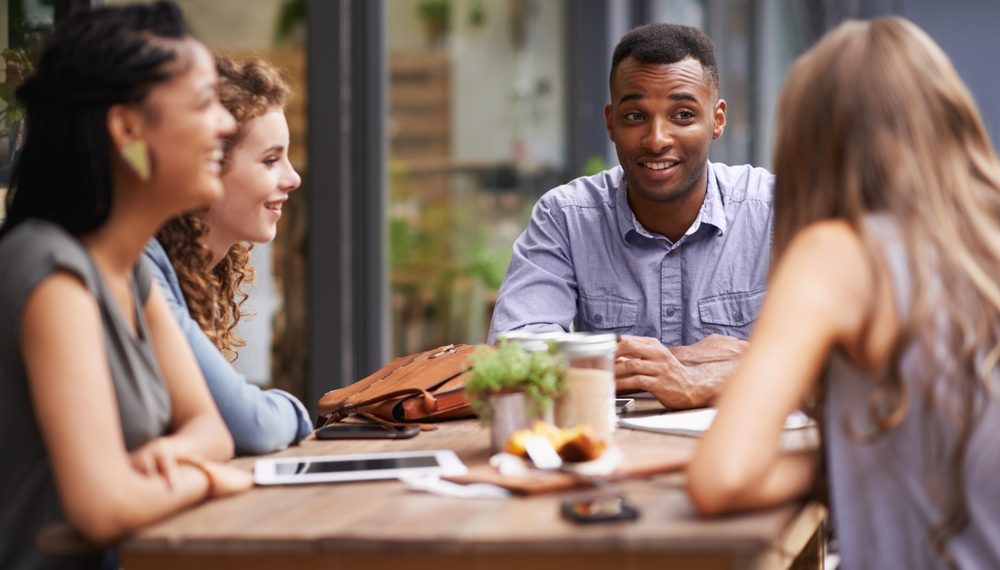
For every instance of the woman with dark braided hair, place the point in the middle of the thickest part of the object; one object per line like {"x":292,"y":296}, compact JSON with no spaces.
{"x":201,"y":258}
{"x":884,"y":303}
{"x":108,"y":423}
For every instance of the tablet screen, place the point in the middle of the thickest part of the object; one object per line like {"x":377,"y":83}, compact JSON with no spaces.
{"x":351,"y":465}
{"x":356,"y":467}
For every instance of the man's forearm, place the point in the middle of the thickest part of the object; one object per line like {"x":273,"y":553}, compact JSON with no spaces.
{"x":705,"y":381}
{"x":679,"y":377}
{"x":711,"y":349}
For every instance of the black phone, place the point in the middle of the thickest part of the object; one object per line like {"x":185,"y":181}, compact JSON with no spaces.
{"x":365,"y":431}
{"x":624,"y":405}
{"x":599,"y":509}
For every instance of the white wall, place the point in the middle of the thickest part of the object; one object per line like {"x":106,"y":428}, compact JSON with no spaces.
{"x":507,"y":95}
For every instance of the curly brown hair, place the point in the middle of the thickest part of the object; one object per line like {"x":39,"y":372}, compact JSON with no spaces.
{"x":215,"y":298}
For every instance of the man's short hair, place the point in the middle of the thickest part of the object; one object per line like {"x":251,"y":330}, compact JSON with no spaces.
{"x":666,"y":44}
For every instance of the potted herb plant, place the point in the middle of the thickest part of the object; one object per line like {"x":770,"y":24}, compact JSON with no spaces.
{"x":511,"y":387}
{"x":435,"y":15}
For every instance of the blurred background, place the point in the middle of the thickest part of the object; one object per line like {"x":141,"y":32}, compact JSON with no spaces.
{"x":426,"y":129}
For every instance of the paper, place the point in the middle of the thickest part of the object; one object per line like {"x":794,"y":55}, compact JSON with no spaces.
{"x":695,"y":422}
{"x":437,"y":486}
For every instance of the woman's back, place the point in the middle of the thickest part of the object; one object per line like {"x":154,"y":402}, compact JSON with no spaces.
{"x":882,"y":492}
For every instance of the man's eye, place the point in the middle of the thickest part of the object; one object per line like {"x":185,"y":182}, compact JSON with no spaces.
{"x":633,"y":116}
{"x":685,"y":115}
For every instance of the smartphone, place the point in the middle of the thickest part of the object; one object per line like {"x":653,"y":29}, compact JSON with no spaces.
{"x":365,"y":431}
{"x":623,"y":405}
{"x":599,"y":509}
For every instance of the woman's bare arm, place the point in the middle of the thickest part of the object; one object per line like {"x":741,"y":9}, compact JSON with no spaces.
{"x":103,"y":495}
{"x":817,"y":300}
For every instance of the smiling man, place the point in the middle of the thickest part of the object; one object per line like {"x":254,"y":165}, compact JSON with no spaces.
{"x":669,"y":250}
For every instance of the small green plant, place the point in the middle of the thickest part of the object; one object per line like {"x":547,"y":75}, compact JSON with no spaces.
{"x":434,"y":10}
{"x":594,"y":165}
{"x":510,"y":368}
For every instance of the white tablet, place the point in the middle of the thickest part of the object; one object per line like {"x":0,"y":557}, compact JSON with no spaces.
{"x":356,"y":467}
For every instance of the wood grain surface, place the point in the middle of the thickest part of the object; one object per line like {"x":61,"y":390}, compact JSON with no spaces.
{"x":383,"y":525}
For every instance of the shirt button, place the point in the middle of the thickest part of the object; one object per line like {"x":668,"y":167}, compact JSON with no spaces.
{"x":598,"y":319}
{"x":738,"y":316}
{"x":670,"y":312}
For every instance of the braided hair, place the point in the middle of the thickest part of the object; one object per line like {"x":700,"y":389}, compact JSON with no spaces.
{"x":95,"y":59}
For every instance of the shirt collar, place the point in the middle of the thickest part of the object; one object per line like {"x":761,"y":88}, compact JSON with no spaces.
{"x":713,"y":211}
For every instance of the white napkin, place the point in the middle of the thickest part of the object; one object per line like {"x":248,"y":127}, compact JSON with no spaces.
{"x":438,"y":486}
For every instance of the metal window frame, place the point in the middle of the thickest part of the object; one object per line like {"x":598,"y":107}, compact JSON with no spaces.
{"x":346,"y":276}
{"x":587,"y":41}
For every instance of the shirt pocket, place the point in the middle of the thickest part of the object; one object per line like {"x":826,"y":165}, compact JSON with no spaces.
{"x":607,"y":313}
{"x":731,"y":314}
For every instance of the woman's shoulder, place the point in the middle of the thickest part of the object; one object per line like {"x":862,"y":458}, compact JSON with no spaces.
{"x":831,"y":251}
{"x":35,"y":248}
{"x":33,"y":237}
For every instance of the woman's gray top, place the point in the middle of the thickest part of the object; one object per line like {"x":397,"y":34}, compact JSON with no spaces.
{"x":28,"y":254}
{"x":881,"y":497}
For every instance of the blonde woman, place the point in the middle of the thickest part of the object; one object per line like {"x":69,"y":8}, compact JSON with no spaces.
{"x":201,"y":259}
{"x":884,"y":303}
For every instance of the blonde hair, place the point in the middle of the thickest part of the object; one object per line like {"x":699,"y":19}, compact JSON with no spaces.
{"x":215,"y":298}
{"x":875,"y":119}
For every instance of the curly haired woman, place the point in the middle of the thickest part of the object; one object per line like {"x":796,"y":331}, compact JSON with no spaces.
{"x":201,"y":258}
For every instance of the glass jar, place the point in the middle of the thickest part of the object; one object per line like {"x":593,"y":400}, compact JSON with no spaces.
{"x":531,"y":341}
{"x":588,"y":383}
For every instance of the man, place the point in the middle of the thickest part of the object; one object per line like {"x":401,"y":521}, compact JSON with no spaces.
{"x":668,"y":248}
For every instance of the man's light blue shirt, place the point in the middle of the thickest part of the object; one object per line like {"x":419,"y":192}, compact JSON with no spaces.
{"x":584,"y":256}
{"x":260,"y":421}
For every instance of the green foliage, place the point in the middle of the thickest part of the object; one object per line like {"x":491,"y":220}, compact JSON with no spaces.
{"x":478,"y":259}
{"x":594,"y":165}
{"x":510,"y":368}
{"x":17,"y":67}
{"x":434,"y":10}
{"x":290,"y":17}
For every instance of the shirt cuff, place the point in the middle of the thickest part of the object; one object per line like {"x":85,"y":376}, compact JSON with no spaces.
{"x":304,"y":422}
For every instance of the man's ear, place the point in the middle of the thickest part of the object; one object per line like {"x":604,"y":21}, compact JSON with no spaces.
{"x":124,"y":125}
{"x":607,"y":120}
{"x":720,"y":119}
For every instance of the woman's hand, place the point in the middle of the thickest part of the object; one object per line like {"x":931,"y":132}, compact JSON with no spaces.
{"x":228,"y":480}
{"x":156,"y":457}
{"x":223,"y":480}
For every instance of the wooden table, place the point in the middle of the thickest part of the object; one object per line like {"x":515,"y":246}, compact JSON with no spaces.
{"x":381,"y":525}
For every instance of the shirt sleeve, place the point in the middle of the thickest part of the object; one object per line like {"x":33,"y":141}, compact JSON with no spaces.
{"x":260,"y":421}
{"x":539,"y":291}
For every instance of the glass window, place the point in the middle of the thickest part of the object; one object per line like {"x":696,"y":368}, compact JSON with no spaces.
{"x":476,"y":133}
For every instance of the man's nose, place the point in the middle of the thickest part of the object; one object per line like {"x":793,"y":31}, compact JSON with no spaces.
{"x":659,"y":138}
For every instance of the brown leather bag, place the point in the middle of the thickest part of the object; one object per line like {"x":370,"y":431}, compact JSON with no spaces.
{"x":421,"y":387}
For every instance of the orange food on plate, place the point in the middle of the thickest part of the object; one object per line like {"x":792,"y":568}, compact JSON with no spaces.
{"x":572,"y":444}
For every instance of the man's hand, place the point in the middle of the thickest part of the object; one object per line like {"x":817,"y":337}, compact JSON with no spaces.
{"x":712,"y":348}
{"x":681,"y":377}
